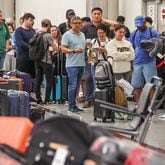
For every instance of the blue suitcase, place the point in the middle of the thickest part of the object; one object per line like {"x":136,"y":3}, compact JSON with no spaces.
{"x":18,"y":103}
{"x":58,"y":86}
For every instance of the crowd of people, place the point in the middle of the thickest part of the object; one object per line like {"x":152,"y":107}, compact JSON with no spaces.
{"x":110,"y":40}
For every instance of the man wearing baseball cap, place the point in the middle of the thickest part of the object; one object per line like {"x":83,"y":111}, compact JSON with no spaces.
{"x":65,"y":26}
{"x":144,"y":66}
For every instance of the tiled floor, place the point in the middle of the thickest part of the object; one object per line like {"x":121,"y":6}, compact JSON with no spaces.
{"x":156,"y":133}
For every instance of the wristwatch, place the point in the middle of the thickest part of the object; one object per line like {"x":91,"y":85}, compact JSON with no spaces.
{"x":74,"y":51}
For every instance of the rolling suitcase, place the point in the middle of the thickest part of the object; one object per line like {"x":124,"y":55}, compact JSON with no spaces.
{"x":16,"y":131}
{"x":64,"y":89}
{"x":58,"y":86}
{"x":4,"y":109}
{"x":11,"y":83}
{"x":64,"y":79}
{"x":18,"y":102}
{"x":27,"y":84}
{"x":106,"y":95}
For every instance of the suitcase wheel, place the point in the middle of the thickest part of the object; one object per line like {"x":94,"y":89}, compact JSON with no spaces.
{"x":63,"y":102}
{"x":113,"y":120}
{"x":104,"y":120}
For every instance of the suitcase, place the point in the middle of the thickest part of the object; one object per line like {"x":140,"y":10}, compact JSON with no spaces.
{"x":16,"y":131}
{"x":11,"y":83}
{"x":64,"y":79}
{"x":106,"y":95}
{"x":27,"y":85}
{"x":58,"y":87}
{"x":64,"y":90}
{"x":4,"y":109}
{"x":63,"y":62}
{"x":18,"y":102}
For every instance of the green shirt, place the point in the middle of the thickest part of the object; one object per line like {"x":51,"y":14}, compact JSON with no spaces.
{"x":4,"y":35}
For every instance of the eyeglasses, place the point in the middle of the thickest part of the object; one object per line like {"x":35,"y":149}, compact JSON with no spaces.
{"x":77,"y":23}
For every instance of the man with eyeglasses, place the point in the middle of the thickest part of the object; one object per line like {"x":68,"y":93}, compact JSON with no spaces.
{"x":73,"y":45}
{"x":90,"y":32}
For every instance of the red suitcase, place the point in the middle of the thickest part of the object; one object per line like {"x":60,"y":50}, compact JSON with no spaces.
{"x":15,"y":132}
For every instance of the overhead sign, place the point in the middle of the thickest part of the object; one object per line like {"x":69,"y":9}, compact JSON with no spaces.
{"x":162,"y":12}
{"x":151,"y":12}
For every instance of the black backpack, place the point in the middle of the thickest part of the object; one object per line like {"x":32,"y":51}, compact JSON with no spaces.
{"x":36,"y":47}
{"x":48,"y":136}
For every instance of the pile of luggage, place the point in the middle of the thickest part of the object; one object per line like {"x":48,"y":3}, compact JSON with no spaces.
{"x":52,"y":142}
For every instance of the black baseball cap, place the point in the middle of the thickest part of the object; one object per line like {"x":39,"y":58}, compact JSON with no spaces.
{"x":69,"y":12}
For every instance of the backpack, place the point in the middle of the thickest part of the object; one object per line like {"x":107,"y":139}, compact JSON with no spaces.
{"x":104,"y":75}
{"x":36,"y":47}
{"x":50,"y":137}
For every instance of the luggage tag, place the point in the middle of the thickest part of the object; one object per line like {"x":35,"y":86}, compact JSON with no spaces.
{"x":60,"y":154}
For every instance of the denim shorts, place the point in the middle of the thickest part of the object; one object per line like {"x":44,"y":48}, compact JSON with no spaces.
{"x":143,"y":73}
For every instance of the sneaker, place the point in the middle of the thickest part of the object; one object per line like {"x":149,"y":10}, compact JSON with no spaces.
{"x":73,"y":110}
{"x":119,"y":116}
{"x":129,"y":117}
{"x":80,"y":99}
{"x":79,"y":109}
{"x":86,"y":104}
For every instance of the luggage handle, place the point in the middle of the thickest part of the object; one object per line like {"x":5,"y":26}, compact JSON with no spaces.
{"x":3,"y":82}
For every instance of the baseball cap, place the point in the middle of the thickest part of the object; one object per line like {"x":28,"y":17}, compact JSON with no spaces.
{"x":139,"y":20}
{"x":70,"y":11}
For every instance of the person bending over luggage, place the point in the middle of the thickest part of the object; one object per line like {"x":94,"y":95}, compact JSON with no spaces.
{"x":44,"y":67}
{"x":73,"y":44}
{"x":121,"y":54}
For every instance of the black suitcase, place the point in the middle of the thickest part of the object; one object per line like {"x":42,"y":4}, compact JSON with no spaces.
{"x":64,"y":79}
{"x":64,"y":88}
{"x":108,"y":95}
{"x":4,"y":105}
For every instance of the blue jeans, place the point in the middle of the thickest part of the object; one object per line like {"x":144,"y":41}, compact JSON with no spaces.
{"x":89,"y":92}
{"x":2,"y":58}
{"x":74,"y":77}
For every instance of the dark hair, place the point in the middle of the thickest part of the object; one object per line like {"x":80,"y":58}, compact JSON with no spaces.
{"x":45,"y":23}
{"x":97,"y":8}
{"x":119,"y":26}
{"x":59,"y":36}
{"x":120,"y":19}
{"x":87,"y":19}
{"x":27,"y":16}
{"x":9,"y":24}
{"x":69,"y":11}
{"x":102,"y":27}
{"x":149,"y":19}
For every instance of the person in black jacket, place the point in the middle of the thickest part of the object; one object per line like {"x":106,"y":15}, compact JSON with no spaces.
{"x":65,"y":26}
{"x":121,"y":20}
